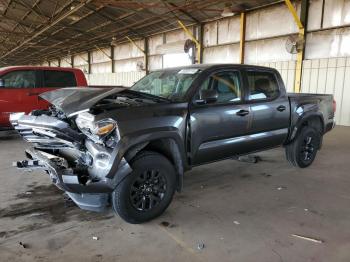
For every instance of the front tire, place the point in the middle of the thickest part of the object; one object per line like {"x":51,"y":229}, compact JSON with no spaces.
{"x":147,"y":191}
{"x":302,"y":151}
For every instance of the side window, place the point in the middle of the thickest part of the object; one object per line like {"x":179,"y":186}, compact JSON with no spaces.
{"x":54,"y":78}
{"x":20,"y":79}
{"x":262,"y":85}
{"x":227,"y":84}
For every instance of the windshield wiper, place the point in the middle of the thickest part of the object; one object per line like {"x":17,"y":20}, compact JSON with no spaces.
{"x":150,"y":96}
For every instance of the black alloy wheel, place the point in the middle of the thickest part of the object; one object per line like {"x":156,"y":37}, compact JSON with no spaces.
{"x":148,"y":190}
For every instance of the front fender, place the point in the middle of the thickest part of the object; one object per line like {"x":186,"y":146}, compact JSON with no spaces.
{"x":131,"y":140}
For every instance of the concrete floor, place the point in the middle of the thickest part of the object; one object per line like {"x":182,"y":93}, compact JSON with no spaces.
{"x":240,"y":211}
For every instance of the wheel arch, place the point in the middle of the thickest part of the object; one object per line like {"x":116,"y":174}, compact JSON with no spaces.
{"x":168,"y":145}
{"x":314,"y":119}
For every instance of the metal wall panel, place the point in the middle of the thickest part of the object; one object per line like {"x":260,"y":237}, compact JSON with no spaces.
{"x":269,"y":50}
{"x":330,"y":76}
{"x":269,"y":22}
{"x":329,"y":43}
{"x":128,"y":50}
{"x":221,"y":54}
{"x":210,"y":34}
{"x":228,"y":30}
{"x":155,"y":62}
{"x":81,"y":59}
{"x":336,"y":13}
{"x":176,"y":35}
{"x":115,"y":79}
{"x":66,"y":61}
{"x":315,"y":15}
{"x":100,"y":56}
{"x":153,"y":42}
{"x":54,"y":62}
{"x":101,"y":68}
{"x":128,"y":65}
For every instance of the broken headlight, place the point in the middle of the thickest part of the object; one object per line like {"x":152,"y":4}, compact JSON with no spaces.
{"x":97,"y":131}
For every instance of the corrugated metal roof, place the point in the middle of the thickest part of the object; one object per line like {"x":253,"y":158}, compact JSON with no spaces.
{"x":32,"y":31}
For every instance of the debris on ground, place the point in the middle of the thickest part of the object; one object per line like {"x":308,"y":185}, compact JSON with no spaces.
{"x":265,"y":175}
{"x":281,"y":188}
{"x":95,"y":238}
{"x":36,"y":214}
{"x":200,"y":245}
{"x":165,"y":223}
{"x":306,"y":209}
{"x":236,"y":222}
{"x":23,"y":245}
{"x":249,"y":159}
{"x":319,"y":241}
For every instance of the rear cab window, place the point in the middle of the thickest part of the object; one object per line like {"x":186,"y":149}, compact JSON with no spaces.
{"x":55,"y":79}
{"x":263,"y":85}
{"x":20,"y":79}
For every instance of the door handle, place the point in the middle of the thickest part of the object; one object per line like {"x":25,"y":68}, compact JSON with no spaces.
{"x":242,"y":112}
{"x":281,"y":108}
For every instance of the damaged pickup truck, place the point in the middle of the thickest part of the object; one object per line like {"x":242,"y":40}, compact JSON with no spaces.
{"x":129,"y":148}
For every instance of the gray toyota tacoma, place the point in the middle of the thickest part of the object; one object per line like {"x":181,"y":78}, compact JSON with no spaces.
{"x":129,"y":147}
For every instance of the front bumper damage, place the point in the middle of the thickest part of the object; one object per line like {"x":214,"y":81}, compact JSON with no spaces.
{"x":75,"y":164}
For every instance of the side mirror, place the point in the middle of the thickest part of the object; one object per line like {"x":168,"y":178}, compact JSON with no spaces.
{"x":208,"y":96}
{"x":2,"y":83}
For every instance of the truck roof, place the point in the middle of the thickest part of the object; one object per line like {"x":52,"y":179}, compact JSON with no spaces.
{"x":213,"y":66}
{"x":10,"y":68}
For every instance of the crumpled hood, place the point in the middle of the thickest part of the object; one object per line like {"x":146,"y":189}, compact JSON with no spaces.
{"x":73,"y":100}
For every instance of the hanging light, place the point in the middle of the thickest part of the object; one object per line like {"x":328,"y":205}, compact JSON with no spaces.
{"x":227,"y":11}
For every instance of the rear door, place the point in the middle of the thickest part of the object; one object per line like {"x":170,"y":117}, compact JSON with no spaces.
{"x":18,"y":93}
{"x":53,"y":79}
{"x":269,"y":107}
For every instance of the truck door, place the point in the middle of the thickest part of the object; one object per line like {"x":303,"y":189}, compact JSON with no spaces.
{"x":53,"y":79}
{"x":216,"y":128}
{"x":269,"y":107}
{"x":17,"y":94}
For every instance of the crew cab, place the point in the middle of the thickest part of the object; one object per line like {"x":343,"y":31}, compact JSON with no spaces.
{"x":130,"y":147}
{"x":21,"y":85}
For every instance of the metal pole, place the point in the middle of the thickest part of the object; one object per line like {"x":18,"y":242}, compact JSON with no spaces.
{"x":242,"y":38}
{"x":301,"y":23}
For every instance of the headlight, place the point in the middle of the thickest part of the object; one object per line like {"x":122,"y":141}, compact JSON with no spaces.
{"x":96,"y":131}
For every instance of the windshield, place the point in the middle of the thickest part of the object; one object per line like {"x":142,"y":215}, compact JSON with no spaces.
{"x":169,"y":84}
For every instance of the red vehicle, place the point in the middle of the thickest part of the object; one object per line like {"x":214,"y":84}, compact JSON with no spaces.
{"x":21,"y":85}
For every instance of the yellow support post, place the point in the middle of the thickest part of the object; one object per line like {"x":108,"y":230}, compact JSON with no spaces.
{"x":133,"y":42}
{"x":300,"y":55}
{"x":242,"y":38}
{"x":103,"y":52}
{"x":198,"y":45}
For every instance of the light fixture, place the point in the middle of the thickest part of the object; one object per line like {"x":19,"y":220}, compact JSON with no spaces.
{"x":227,"y":11}
{"x":114,"y":41}
{"x":74,"y":17}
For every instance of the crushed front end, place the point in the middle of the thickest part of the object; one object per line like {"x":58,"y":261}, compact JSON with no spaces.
{"x":77,"y":153}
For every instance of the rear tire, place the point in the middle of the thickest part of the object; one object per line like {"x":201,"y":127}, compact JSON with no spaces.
{"x":147,"y":191}
{"x":302,"y":151}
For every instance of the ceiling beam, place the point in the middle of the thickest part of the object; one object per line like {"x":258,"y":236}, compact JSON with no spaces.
{"x":44,"y":29}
